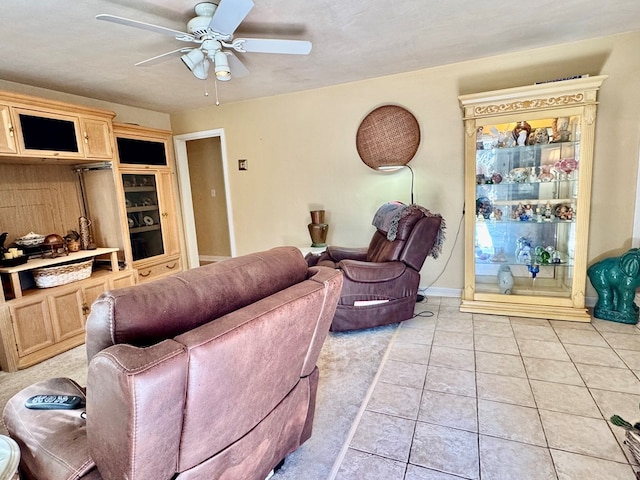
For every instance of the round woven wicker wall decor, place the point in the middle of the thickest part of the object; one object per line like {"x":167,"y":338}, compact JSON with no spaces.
{"x":389,"y":135}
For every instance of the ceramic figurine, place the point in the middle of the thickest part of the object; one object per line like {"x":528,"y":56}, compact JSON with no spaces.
{"x":505,"y":279}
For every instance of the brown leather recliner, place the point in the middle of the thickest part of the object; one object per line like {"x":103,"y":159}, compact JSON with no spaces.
{"x":381,"y":281}
{"x":207,"y":374}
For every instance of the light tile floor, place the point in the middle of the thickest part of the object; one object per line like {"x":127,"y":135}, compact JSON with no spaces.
{"x":468,"y":396}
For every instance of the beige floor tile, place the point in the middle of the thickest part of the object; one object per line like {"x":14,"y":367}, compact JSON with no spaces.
{"x":564,"y":398}
{"x":491,"y":318}
{"x":541,"y":349}
{"x":486,"y":327}
{"x":450,"y":301}
{"x":609,"y":326}
{"x":449,"y":410}
{"x":447,"y":380}
{"x":590,"y":355}
{"x":504,"y":389}
{"x":587,"y":436}
{"x":453,"y":339}
{"x":625,"y":341}
{"x":534,"y":332}
{"x":422,"y":335}
{"x":492,"y":343}
{"x":616,"y":403}
{"x":571,"y":465}
{"x":384,"y":435}
{"x":552,"y":370}
{"x":575,"y":325}
{"x":404,"y":373}
{"x":456,"y":325}
{"x":511,"y":422}
{"x":581,"y":337}
{"x":357,"y":465}
{"x":608,"y":378}
{"x":414,"y":472}
{"x":457,"y":358}
{"x":540,"y":322}
{"x":409,"y":352}
{"x":630,"y":357}
{"x":507,"y":460}
{"x":499,"y":364}
{"x":423,"y":322}
{"x":453,"y":312}
{"x":395,"y":400}
{"x":445,"y":449}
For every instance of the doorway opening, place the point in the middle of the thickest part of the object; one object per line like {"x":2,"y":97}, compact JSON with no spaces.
{"x":205,"y":197}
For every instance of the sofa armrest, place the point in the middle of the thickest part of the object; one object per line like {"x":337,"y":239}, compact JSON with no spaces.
{"x":371,"y":272}
{"x":338,"y":254}
{"x":135,"y":402}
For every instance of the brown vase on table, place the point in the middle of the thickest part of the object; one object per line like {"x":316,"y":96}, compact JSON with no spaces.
{"x":318,"y":229}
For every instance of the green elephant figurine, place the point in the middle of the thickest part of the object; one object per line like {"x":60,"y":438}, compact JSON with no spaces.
{"x":616,"y":280}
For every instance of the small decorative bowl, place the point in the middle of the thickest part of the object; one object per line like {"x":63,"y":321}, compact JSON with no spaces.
{"x":30,"y":239}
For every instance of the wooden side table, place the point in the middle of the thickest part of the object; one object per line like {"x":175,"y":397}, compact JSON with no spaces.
{"x":9,"y":458}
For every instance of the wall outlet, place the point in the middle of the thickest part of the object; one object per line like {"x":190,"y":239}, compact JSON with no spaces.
{"x":243,"y":164}
{"x":213,"y":192}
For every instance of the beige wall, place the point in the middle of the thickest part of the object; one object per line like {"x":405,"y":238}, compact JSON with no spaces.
{"x":302,"y":154}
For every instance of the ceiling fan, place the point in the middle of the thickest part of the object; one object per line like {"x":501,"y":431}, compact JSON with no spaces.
{"x":212,"y":30}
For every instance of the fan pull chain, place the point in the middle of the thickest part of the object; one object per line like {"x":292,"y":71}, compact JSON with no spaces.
{"x":215,"y":84}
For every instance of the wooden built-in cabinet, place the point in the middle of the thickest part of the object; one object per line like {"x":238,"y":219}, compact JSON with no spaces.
{"x":528,"y":168}
{"x":49,"y":130}
{"x":147,"y":179}
{"x":57,"y":162}
{"x":44,"y":323}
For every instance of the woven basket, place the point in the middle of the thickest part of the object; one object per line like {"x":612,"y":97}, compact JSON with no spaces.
{"x":62,"y":274}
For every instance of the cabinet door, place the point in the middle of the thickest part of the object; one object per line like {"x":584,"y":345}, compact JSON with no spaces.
{"x":96,"y":135}
{"x":46,"y":133}
{"x":67,"y":316}
{"x":142,"y":201}
{"x":168,"y":213}
{"x":90,"y":293}
{"x":7,"y":135}
{"x":32,"y":326}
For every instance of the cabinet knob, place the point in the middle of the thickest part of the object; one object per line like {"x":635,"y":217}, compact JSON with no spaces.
{"x":86,"y":137}
{"x":165,"y":214}
{"x":10,"y":130}
{"x":85,"y":309}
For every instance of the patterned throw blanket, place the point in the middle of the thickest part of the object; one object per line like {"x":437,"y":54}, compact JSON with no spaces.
{"x":388,"y":215}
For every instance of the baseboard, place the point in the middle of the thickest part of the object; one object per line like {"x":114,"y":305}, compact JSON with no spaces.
{"x":211,"y":258}
{"x":454,"y":292}
{"x":440,"y":292}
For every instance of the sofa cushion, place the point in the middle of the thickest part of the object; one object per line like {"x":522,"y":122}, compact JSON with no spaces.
{"x":148,"y":313}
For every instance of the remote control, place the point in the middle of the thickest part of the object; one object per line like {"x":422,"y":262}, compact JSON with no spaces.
{"x":54,"y":402}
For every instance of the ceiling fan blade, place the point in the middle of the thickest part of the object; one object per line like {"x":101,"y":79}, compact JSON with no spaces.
{"x":267,"y":45}
{"x":238,"y":69}
{"x":178,"y":35}
{"x":162,"y":56}
{"x":229,"y":14}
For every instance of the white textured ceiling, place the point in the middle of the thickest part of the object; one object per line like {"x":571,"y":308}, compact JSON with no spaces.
{"x":59,"y":45}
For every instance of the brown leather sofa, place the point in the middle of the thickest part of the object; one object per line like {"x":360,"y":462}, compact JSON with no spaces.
{"x":381,"y":281}
{"x":207,"y":374}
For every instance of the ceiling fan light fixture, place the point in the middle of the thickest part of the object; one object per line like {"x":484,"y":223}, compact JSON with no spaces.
{"x":201,"y":71}
{"x":223,"y":72}
{"x":193,"y":58}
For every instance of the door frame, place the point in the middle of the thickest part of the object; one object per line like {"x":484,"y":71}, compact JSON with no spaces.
{"x":186,"y":199}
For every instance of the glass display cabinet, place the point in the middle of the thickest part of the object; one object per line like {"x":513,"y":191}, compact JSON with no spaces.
{"x":528,"y":168}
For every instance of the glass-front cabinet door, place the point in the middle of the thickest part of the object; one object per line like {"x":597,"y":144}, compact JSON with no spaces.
{"x":143,"y":215}
{"x":529,"y":154}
